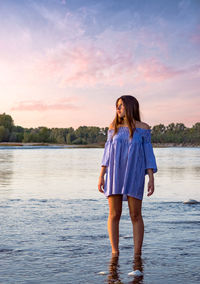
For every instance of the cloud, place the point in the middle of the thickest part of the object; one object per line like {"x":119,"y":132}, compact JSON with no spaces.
{"x":109,"y":57}
{"x":88,"y":65}
{"x":37,"y":105}
{"x":65,"y":25}
{"x":83,"y":66}
{"x":153,"y":70}
{"x":112,"y":57}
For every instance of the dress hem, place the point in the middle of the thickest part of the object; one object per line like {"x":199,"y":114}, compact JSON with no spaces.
{"x":124,"y":196}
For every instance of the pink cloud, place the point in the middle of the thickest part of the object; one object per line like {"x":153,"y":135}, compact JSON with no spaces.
{"x":87,"y":65}
{"x":109,"y":59}
{"x":82,"y":66}
{"x":152,"y":70}
{"x":31,"y":105}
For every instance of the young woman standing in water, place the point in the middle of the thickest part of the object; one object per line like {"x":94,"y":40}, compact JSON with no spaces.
{"x":128,"y":156}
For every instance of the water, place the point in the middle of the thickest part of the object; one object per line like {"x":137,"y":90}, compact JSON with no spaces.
{"x":54,"y":220}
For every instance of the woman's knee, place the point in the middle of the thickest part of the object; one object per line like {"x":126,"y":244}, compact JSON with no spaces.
{"x":135,"y":216}
{"x":115,"y":215}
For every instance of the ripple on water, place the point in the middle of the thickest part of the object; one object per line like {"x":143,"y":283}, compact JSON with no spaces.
{"x":11,"y":251}
{"x":41,"y":240}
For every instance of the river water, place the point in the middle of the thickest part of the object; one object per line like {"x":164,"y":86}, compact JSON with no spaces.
{"x":54,"y":220}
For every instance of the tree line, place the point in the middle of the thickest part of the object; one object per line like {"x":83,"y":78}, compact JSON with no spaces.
{"x":172,"y":133}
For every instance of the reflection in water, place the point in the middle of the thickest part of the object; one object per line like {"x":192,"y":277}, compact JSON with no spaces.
{"x":6,"y":171}
{"x":113,"y":276}
{"x":114,"y":272}
{"x":137,"y":265}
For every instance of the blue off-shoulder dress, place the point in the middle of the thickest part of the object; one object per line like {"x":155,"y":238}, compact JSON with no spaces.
{"x":127,"y":160}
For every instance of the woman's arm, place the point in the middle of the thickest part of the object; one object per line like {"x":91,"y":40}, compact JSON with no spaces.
{"x":151,"y":182}
{"x":105,"y":159}
{"x":101,"y":179}
{"x":103,"y":171}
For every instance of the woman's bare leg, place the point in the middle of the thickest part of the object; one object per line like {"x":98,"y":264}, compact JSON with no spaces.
{"x":115,"y":210}
{"x":135,"y":207}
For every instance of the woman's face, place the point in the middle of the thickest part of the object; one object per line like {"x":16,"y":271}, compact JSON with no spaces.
{"x":120,"y":109}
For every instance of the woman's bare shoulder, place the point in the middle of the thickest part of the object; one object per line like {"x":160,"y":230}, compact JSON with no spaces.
{"x":111,"y":126}
{"x":142,"y":125}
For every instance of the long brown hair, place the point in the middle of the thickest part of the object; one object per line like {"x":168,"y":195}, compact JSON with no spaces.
{"x":132,"y":110}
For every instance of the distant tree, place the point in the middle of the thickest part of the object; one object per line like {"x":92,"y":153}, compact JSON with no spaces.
{"x":180,"y":127}
{"x":26,"y":138}
{"x":70,"y":137}
{"x":196,"y":126}
{"x":18,"y":129}
{"x":6,"y":121}
{"x":2,"y":132}
{"x":31,"y":135}
{"x":172,"y":133}
{"x":59,"y":135}
{"x":60,"y":139}
{"x":94,"y":134}
{"x":158,"y":129}
{"x":13,"y":137}
{"x":82,"y":132}
{"x":171,"y":127}
{"x":17,"y":134}
{"x":43,"y":134}
{"x":79,"y":141}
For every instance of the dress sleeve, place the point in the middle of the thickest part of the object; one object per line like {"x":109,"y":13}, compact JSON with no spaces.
{"x":106,"y":154}
{"x":150,"y":160}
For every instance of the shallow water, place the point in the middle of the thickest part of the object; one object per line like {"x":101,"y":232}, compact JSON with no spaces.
{"x":54,"y":220}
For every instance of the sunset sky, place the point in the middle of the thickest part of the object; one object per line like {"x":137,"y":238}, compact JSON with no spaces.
{"x":63,"y":63}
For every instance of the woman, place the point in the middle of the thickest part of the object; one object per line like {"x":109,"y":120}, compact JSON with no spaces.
{"x":128,"y":157}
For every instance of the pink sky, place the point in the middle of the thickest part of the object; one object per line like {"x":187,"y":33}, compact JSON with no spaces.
{"x":63,"y":67}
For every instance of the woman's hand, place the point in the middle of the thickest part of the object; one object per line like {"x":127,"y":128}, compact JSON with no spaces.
{"x":150,"y":187}
{"x":101,"y":184}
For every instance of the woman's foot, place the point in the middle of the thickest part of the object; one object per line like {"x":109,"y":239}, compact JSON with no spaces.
{"x":137,"y":264}
{"x":135,"y":273}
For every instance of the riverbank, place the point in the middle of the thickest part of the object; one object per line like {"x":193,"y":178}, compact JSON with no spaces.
{"x":166,"y":145}
{"x":15,"y":144}
{"x":95,"y":145}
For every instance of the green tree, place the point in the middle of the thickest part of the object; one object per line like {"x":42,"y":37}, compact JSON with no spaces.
{"x":43,"y":134}
{"x":70,"y":137}
{"x":2,"y":132}
{"x":6,"y":121}
{"x":196,"y":126}
{"x":79,"y":141}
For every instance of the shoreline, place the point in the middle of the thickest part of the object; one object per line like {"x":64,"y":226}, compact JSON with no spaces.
{"x":100,"y":145}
